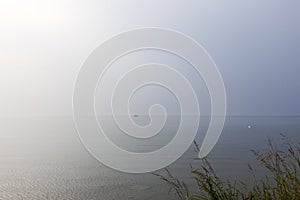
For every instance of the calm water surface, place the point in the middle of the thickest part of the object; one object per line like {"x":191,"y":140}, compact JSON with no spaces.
{"x":42,"y":158}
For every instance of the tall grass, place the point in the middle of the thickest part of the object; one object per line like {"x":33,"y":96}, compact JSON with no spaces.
{"x":281,"y":183}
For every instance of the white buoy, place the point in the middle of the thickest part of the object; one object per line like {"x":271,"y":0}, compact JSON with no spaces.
{"x":249,"y":126}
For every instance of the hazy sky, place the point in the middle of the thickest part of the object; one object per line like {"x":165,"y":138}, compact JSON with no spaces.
{"x":256,"y":45}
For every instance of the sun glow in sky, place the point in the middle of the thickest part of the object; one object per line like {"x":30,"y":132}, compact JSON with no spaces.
{"x":33,"y":13}
{"x":256,"y":45}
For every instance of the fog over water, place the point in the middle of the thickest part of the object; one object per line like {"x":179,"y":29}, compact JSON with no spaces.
{"x":43,"y":44}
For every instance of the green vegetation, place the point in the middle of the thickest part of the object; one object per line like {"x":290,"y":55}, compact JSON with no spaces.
{"x":281,"y":183}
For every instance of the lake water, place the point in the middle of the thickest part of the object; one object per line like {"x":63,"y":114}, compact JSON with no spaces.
{"x":42,"y":158}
